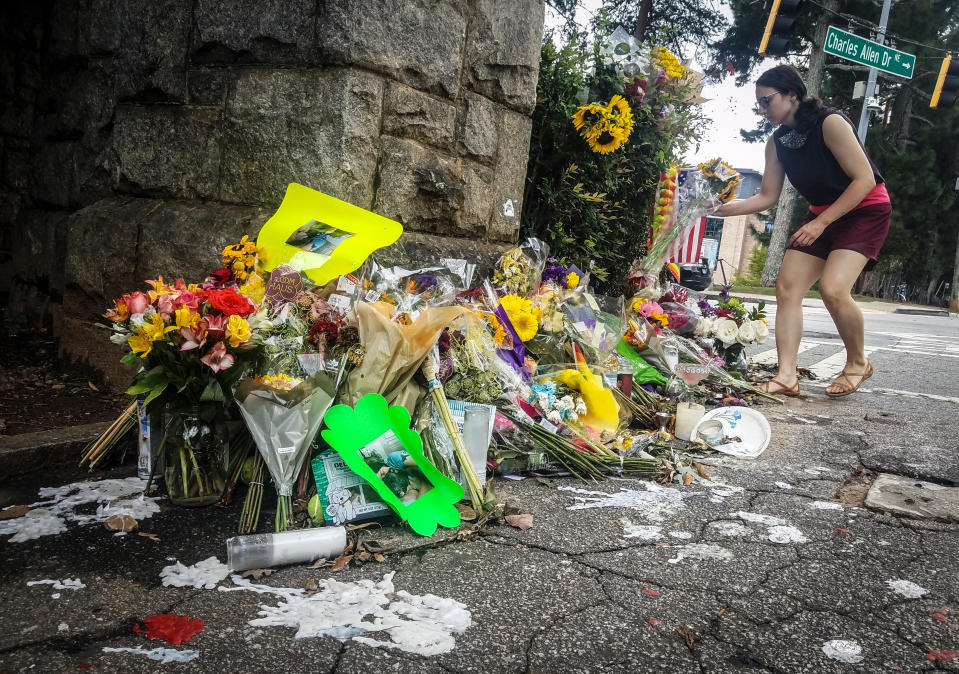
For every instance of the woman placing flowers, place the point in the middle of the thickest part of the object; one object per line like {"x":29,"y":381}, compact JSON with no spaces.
{"x":841,"y":235}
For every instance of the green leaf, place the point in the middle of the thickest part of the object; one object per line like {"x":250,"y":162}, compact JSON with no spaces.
{"x":213,"y":392}
{"x":147,"y":381}
{"x":155,"y":392}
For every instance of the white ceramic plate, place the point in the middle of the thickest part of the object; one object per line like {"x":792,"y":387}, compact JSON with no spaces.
{"x":744,"y":423}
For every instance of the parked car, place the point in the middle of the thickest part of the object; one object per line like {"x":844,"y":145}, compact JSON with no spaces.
{"x":696,"y":276}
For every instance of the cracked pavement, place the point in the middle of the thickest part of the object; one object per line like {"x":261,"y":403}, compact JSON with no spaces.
{"x":755,"y":571}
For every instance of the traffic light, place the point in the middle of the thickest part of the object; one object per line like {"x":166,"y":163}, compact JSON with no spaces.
{"x":947,"y":86}
{"x":779,"y":27}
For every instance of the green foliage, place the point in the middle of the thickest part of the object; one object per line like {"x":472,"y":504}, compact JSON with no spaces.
{"x":678,"y":24}
{"x":757,"y":260}
{"x":592,"y":209}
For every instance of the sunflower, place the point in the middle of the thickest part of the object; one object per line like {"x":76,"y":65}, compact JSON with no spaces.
{"x":587,"y":118}
{"x":620,"y":114}
{"x":606,"y":142}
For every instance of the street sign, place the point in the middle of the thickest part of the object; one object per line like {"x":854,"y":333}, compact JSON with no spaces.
{"x":868,"y":53}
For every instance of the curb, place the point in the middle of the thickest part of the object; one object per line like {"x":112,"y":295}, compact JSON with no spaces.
{"x":921,"y":312}
{"x":29,"y":452}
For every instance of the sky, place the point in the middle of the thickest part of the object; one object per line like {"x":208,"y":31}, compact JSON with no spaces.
{"x":729,"y":109}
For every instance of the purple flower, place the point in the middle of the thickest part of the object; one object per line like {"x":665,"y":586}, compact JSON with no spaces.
{"x":724,"y":293}
{"x":556,"y":273}
{"x":705,"y":307}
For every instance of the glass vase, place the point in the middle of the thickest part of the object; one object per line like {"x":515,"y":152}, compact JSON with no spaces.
{"x":195,"y":458}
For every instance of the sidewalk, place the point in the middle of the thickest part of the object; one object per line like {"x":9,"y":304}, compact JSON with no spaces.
{"x":878,"y":306}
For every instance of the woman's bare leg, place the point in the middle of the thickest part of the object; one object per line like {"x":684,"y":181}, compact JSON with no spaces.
{"x":838,"y":277}
{"x":799,"y":271}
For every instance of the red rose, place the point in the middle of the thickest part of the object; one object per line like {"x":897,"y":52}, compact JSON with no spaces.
{"x":221,"y":277}
{"x":229,"y":302}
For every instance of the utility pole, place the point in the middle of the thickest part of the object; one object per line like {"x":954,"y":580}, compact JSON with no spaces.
{"x":787,"y":200}
{"x":873,"y":74}
{"x":954,"y":295}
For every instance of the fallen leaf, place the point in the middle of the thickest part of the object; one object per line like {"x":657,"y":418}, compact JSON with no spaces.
{"x":92,"y":386}
{"x":651,"y":593}
{"x":941,"y":614}
{"x":363,"y":556}
{"x":687,"y":635}
{"x":172,"y":628}
{"x":58,"y":386}
{"x":341,"y":562}
{"x":688,"y":478}
{"x":152,"y":537}
{"x":310,"y":586}
{"x":357,"y":527}
{"x":701,"y":470}
{"x":118,"y":523}
{"x":256,"y":574}
{"x":521,"y":522}
{"x":14,"y":511}
{"x":374,"y":546}
{"x":320,"y":563}
{"x":467,"y":514}
{"x":546,"y":481}
{"x":350,"y":546}
{"x":379,"y":557}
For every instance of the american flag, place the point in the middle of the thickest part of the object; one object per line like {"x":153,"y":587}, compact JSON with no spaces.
{"x":688,"y":247}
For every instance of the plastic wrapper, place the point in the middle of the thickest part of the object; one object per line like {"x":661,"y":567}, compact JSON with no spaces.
{"x":283,"y":423}
{"x":595,"y":330}
{"x":696,"y":195}
{"x":520,"y":269}
{"x":599,"y":409}
{"x":410,"y":291}
{"x":468,"y":362}
{"x":394,"y":352}
{"x":682,"y":319}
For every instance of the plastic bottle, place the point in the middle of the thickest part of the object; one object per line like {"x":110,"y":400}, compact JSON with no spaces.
{"x":261,"y":551}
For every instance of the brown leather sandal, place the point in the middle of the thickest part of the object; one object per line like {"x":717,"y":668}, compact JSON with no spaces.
{"x":847,"y":382}
{"x":790,"y":391}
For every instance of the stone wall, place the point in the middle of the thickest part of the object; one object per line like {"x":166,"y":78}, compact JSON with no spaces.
{"x":140,"y":136}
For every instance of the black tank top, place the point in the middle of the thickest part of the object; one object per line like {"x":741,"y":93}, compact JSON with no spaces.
{"x":810,"y":165}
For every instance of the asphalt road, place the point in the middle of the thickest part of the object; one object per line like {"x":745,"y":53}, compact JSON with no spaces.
{"x":774,"y":565}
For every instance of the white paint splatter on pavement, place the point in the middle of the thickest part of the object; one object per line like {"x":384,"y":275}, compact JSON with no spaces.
{"x":730,"y":529}
{"x":683,"y":535}
{"x":758,"y":518}
{"x":65,"y":584}
{"x":786,"y":534}
{"x":423,"y":624}
{"x":703,"y":552}
{"x":656,"y":502}
{"x":825,"y":505}
{"x":783,"y":485}
{"x":206,"y":574}
{"x":849,"y":652}
{"x":60,"y":506}
{"x":163,"y":655}
{"x":643,"y":532}
{"x":906,"y":588}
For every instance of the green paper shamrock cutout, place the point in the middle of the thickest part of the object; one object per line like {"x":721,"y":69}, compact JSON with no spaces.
{"x":371,"y":431}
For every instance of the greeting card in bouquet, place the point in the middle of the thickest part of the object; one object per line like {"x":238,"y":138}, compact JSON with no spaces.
{"x":322,"y":236}
{"x":377,"y":443}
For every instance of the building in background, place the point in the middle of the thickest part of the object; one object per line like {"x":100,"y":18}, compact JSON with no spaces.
{"x":727,"y":242}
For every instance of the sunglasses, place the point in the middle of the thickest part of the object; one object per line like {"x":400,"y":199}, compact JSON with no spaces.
{"x":763,"y":101}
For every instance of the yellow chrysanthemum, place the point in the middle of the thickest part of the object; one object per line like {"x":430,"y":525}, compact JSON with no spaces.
{"x":669,"y":63}
{"x":572,"y":280}
{"x":514,"y":304}
{"x":238,"y":330}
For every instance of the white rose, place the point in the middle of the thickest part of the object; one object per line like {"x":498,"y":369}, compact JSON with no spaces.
{"x":726,"y":331}
{"x":747,"y":333}
{"x":762,"y":331}
{"x":704,"y":328}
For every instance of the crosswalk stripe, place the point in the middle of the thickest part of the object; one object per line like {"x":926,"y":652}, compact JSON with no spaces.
{"x":770,"y":356}
{"x":831,"y":366}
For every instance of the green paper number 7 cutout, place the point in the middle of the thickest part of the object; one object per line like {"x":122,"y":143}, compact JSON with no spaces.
{"x":377,"y":443}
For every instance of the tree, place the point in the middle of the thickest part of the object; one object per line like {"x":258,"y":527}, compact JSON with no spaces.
{"x":676,"y":24}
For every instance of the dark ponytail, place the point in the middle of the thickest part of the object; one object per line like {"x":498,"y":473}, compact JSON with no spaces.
{"x":786,"y":79}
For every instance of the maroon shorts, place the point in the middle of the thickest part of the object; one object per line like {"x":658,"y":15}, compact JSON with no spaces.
{"x":862,"y":230}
